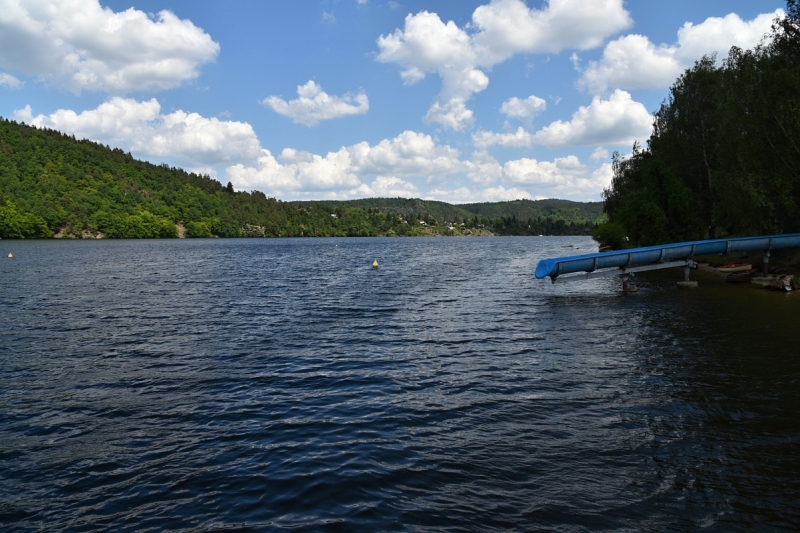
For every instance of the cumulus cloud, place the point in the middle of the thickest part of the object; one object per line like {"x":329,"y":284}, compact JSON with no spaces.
{"x":633,"y":62}
{"x":314,"y":173}
{"x":599,"y":153}
{"x":602,"y":176}
{"x":79,"y":45}
{"x":9,"y":81}
{"x":498,"y":30}
{"x":395,"y":167}
{"x":618,"y":120}
{"x":140,"y":127}
{"x":564,"y":177}
{"x":453,"y":114}
{"x":313,"y":105}
{"x":463,"y":195}
{"x":426,"y":45}
{"x":507,"y":27}
{"x":393,"y":187}
{"x":410,"y":154}
{"x":484,"y":168}
{"x":523,"y":108}
{"x":558,"y":172}
{"x":484,"y":139}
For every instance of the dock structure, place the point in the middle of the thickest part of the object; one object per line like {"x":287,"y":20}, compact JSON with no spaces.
{"x":627,"y":262}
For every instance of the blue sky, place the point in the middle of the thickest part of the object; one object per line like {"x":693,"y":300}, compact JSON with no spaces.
{"x":458,"y":101}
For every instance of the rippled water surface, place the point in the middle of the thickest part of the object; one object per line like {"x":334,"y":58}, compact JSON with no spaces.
{"x":284,"y":383}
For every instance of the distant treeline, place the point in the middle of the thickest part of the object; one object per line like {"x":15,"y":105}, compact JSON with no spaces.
{"x":52,"y":184}
{"x":724,"y":156}
{"x":518,"y":217}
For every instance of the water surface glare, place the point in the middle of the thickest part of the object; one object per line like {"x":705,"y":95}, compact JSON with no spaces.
{"x":267,"y":384}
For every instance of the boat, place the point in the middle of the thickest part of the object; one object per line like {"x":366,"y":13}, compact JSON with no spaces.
{"x":742,"y":276}
{"x":734,"y":267}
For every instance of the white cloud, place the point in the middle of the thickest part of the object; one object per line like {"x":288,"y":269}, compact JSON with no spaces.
{"x":498,"y":30}
{"x":10,"y":81}
{"x":525,"y":109}
{"x":564,"y":177}
{"x":618,"y":120}
{"x":463,"y":195}
{"x":140,"y":127}
{"x":633,"y":62}
{"x":410,"y":154}
{"x":268,"y":175}
{"x":484,"y":139}
{"x":313,"y":105}
{"x":484,"y":168}
{"x":313,"y":172}
{"x":558,"y":172}
{"x":507,"y":27}
{"x":603,"y":175}
{"x":453,"y":115}
{"x":393,"y":187}
{"x":79,"y":45}
{"x":599,"y":154}
{"x":426,"y":45}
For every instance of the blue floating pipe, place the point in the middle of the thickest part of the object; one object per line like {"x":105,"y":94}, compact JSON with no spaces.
{"x":662,"y":253}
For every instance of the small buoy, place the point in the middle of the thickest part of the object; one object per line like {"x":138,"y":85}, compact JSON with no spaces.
{"x":10,"y":255}
{"x":375,"y":264}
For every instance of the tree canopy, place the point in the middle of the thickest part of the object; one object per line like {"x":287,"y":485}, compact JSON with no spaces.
{"x":724,"y":155}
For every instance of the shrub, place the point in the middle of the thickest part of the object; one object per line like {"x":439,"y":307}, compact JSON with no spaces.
{"x":610,"y":234}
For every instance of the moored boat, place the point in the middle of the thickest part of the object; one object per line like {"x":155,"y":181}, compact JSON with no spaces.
{"x":734,"y":267}
{"x":742,"y":276}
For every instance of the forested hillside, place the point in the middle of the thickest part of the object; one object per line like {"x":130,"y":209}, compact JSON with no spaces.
{"x":724,"y":156}
{"x":518,"y":217}
{"x":54,"y":185}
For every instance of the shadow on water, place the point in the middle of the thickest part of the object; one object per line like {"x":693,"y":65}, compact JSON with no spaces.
{"x":711,"y":394}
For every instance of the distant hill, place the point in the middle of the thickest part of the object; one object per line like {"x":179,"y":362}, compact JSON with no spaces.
{"x":552,"y":209}
{"x":53,"y":185}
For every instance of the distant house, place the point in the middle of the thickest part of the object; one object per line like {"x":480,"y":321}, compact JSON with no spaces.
{"x":333,"y":215}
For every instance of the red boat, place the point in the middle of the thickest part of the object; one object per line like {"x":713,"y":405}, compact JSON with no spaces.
{"x":735,"y":267}
{"x":741,"y":277}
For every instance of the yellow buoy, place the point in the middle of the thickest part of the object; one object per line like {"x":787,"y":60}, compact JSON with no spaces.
{"x":10,"y":255}
{"x":375,"y":264}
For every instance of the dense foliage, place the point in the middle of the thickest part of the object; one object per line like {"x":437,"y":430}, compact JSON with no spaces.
{"x":518,"y":217}
{"x":724,"y":155}
{"x":54,"y":185}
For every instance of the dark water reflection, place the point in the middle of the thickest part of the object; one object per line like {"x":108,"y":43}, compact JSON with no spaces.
{"x":268,"y":384}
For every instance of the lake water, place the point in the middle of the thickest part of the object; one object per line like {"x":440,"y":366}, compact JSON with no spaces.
{"x":194,"y":385}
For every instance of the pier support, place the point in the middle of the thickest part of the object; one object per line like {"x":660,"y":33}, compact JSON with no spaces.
{"x":686,"y":283}
{"x":766,"y":264}
{"x":626,"y":286}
